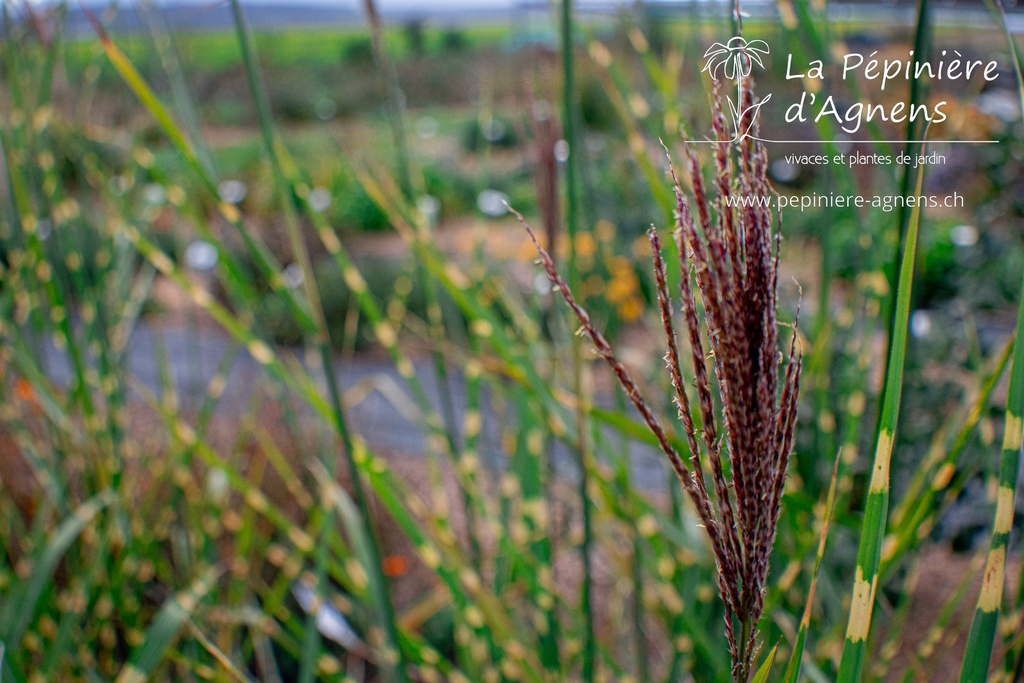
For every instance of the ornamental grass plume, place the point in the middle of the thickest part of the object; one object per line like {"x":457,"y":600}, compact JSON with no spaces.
{"x":730,"y":251}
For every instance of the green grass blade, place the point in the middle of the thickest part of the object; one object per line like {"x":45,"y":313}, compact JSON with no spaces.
{"x":16,"y":617}
{"x":185,"y":104}
{"x":229,"y":667}
{"x":938,"y":480}
{"x":796,"y":660}
{"x":980,"y":642}
{"x":572,"y":215}
{"x":264,"y":259}
{"x":761,"y":676}
{"x":287,"y":190}
{"x":869,"y":552}
{"x":394,"y":98}
{"x":163,"y":632}
{"x":138,"y":85}
{"x":978,"y":655}
{"x":918,"y":93}
{"x":311,"y":644}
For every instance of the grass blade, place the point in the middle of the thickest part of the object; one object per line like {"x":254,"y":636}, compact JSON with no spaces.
{"x":394,"y":98}
{"x":869,"y":552}
{"x":579,"y":369}
{"x":16,"y":617}
{"x":795,"y":661}
{"x":761,"y":676}
{"x":163,"y":632}
{"x":287,"y":190}
{"x":978,"y":655}
{"x":138,"y":85}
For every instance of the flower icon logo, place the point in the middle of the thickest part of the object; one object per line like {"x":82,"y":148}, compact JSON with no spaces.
{"x":734,"y":58}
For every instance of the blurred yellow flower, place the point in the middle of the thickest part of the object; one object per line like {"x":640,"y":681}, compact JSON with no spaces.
{"x":620,"y":266}
{"x":585,"y":245}
{"x":632,"y":309}
{"x":604,"y":230}
{"x":620,"y":289}
{"x":642,"y":248}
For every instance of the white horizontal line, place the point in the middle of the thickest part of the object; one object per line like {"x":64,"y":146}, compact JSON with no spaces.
{"x":859,"y":142}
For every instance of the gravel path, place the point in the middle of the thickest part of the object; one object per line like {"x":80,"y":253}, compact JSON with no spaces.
{"x":381,"y":408}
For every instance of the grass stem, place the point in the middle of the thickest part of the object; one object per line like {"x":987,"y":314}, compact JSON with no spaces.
{"x":380,"y":593}
{"x":579,"y":369}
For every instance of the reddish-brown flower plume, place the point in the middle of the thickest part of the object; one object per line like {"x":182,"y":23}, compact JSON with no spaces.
{"x":729,"y":253}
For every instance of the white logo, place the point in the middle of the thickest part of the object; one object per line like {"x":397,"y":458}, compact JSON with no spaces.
{"x":735,"y":59}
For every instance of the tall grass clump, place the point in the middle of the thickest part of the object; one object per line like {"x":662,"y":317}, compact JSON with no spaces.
{"x":731,"y":256}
